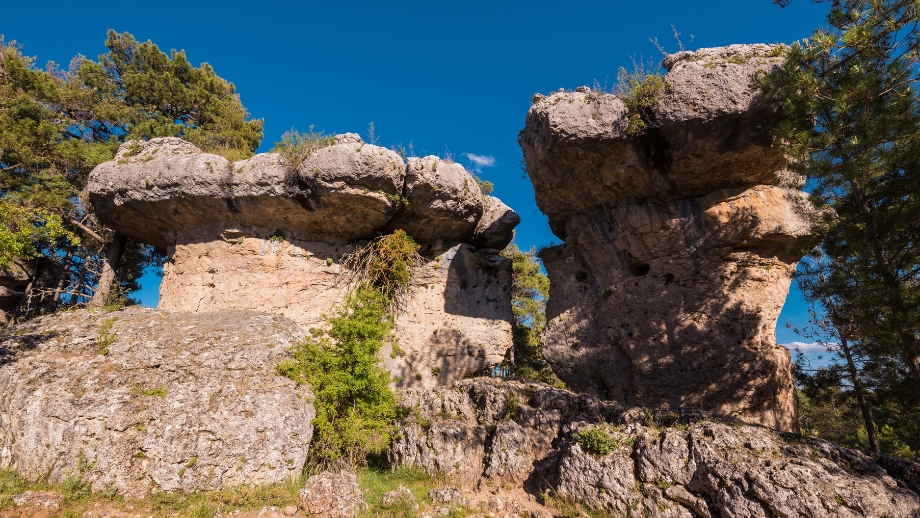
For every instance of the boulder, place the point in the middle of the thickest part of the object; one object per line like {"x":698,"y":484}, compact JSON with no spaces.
{"x":456,"y":320}
{"x":681,"y":238}
{"x":353,"y":188}
{"x":156,"y":190}
{"x":496,"y":226}
{"x":672,"y":462}
{"x":332,"y":495}
{"x":143,"y":400}
{"x":13,"y":282}
{"x":448,"y":495}
{"x":443,"y":201}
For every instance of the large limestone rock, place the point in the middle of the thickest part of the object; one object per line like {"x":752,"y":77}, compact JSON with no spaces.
{"x":680,"y":241}
{"x":678,"y":463}
{"x":444,"y":201}
{"x":495,"y":228}
{"x":456,"y":321}
{"x":144,"y":400}
{"x":258,"y":235}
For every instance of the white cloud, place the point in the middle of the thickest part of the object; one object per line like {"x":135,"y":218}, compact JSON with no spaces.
{"x":807,"y":348}
{"x":480,"y":161}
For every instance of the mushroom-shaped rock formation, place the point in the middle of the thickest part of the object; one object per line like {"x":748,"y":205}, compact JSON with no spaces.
{"x":680,"y":239}
{"x":263,"y":234}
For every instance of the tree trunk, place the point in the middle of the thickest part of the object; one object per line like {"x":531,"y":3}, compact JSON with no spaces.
{"x":26,"y":296}
{"x":109,"y":270}
{"x":62,"y":279}
{"x":860,"y":394}
{"x":84,"y":268}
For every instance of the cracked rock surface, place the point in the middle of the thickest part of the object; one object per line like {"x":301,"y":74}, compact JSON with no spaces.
{"x":678,"y":463}
{"x":681,"y":238}
{"x":144,"y":400}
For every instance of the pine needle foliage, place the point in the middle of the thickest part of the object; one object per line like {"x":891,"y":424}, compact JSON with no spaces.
{"x":529,"y":293}
{"x":851,"y":109}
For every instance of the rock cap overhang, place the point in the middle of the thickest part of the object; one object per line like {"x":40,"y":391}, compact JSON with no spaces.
{"x":154,"y":190}
{"x":707,"y":132}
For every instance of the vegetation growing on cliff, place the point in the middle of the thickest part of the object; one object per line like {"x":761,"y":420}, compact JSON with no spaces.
{"x":849,"y":97}
{"x":640,"y":89}
{"x":295,"y":146}
{"x":355,"y":408}
{"x":529,"y":293}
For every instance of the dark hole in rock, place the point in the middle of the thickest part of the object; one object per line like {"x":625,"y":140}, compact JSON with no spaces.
{"x":581,"y":276}
{"x":639,"y":269}
{"x":668,"y":278}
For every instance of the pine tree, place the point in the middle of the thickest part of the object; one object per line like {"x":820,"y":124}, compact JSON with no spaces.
{"x":851,"y":127}
{"x":56,"y":125}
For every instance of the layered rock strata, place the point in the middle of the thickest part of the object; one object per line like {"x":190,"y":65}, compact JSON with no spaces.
{"x":142,"y":400}
{"x":681,"y":235}
{"x":263,"y":234}
{"x":676,"y":463}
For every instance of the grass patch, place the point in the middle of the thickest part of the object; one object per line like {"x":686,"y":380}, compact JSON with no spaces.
{"x":295,"y":146}
{"x":374,"y":482}
{"x":106,"y":336}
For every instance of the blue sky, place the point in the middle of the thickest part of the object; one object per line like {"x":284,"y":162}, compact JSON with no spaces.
{"x":447,"y":77}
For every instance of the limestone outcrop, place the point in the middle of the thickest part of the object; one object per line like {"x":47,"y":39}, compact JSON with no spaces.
{"x":681,"y":237}
{"x":675,"y":463}
{"x":263,"y":234}
{"x":143,"y":400}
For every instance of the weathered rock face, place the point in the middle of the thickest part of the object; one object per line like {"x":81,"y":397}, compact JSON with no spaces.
{"x":257,"y":235}
{"x":13,"y":282}
{"x":456,"y":321}
{"x":671,"y":463}
{"x":147,"y":400}
{"x":680,"y":241}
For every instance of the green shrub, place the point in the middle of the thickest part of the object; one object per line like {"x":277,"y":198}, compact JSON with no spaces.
{"x":355,"y":408}
{"x":485,"y":186}
{"x":597,"y":441}
{"x":295,"y":146}
{"x":277,"y":236}
{"x":639,"y":90}
{"x":512,"y":408}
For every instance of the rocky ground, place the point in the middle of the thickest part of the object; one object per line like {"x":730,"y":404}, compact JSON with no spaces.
{"x":568,"y":447}
{"x":489,"y":447}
